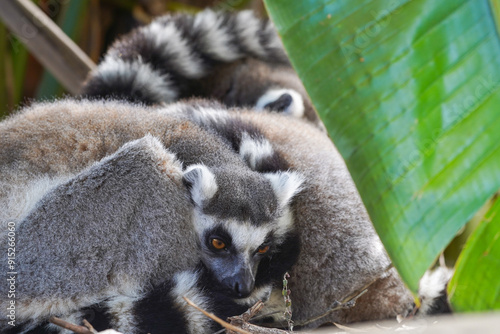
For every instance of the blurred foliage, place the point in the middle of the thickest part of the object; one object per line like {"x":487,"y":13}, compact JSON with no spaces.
{"x":93,"y":25}
{"x":475,"y":283}
{"x":408,"y":91}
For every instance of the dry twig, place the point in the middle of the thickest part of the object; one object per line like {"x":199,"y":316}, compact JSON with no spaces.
{"x":239,"y":324}
{"x":254,"y":329}
{"x":215,"y":318}
{"x":89,"y":326}
{"x":72,"y":327}
{"x":241,"y":321}
{"x":250,"y":313}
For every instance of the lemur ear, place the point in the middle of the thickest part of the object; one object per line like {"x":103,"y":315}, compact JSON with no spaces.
{"x":200,"y":182}
{"x":286,"y":185}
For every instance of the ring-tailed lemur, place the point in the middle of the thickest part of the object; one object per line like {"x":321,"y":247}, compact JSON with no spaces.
{"x":236,"y":59}
{"x":99,"y":232}
{"x":340,"y":251}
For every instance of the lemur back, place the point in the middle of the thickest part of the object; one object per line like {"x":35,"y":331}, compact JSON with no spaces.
{"x":236,"y":59}
{"x":331,"y":221}
{"x":131,"y":210}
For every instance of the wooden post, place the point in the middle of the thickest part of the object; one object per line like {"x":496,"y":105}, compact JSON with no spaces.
{"x":47,"y":42}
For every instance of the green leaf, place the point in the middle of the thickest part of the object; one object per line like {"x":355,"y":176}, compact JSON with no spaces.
{"x":12,"y":71}
{"x":3,"y":73}
{"x":476,"y":283}
{"x":409,"y":93}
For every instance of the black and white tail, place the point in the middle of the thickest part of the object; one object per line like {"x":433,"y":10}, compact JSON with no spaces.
{"x":160,"y":62}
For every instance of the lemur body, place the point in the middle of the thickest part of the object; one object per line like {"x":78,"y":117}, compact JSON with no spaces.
{"x":99,"y":232}
{"x":239,"y":61}
{"x":236,"y":59}
{"x":340,"y":250}
{"x":238,"y":66}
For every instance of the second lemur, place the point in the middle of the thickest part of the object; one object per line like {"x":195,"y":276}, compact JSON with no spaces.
{"x":236,"y":59}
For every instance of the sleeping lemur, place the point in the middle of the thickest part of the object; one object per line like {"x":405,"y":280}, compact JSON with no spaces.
{"x":238,"y":60}
{"x":340,"y":251}
{"x":235,"y":59}
{"x":105,"y":243}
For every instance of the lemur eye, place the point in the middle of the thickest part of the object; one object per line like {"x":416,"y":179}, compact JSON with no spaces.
{"x":263,"y":249}
{"x":218,"y":244}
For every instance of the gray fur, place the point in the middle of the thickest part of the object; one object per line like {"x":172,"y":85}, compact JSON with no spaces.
{"x":340,"y":249}
{"x":114,"y":227}
{"x":101,"y":232}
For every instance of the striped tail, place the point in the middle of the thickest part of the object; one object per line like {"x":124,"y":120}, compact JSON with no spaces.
{"x":162,"y":61}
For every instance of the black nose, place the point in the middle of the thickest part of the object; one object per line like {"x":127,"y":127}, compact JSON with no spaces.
{"x":243,"y":289}
{"x":283,"y":102}
{"x":241,"y":285}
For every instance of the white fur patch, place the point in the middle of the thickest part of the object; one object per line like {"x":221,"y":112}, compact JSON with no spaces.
{"x":201,"y":222}
{"x":254,"y":150}
{"x":209,"y":116}
{"x":285,"y":185}
{"x":142,"y":77}
{"x":217,"y":39}
{"x":185,"y":286}
{"x":248,"y":27}
{"x":203,"y":183}
{"x":284,"y":225}
{"x":295,"y":109}
{"x":432,"y":285}
{"x":38,"y":309}
{"x":123,"y":297}
{"x":168,"y":39}
{"x":247,"y":237}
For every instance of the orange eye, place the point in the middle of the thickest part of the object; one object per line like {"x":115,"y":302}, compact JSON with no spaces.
{"x":263,"y":249}
{"x":218,"y":244}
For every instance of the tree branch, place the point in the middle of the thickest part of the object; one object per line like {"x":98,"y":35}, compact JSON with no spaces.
{"x":72,"y":327}
{"x":47,"y":42}
{"x":216,"y":319}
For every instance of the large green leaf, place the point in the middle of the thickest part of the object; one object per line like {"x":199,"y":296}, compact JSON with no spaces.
{"x":409,"y":93}
{"x":476,"y":283}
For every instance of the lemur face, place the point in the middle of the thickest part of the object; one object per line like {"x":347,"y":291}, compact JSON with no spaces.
{"x":232,"y":250}
{"x":240,"y":220}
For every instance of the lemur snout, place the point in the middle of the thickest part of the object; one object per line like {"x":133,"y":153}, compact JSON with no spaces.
{"x":241,"y":284}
